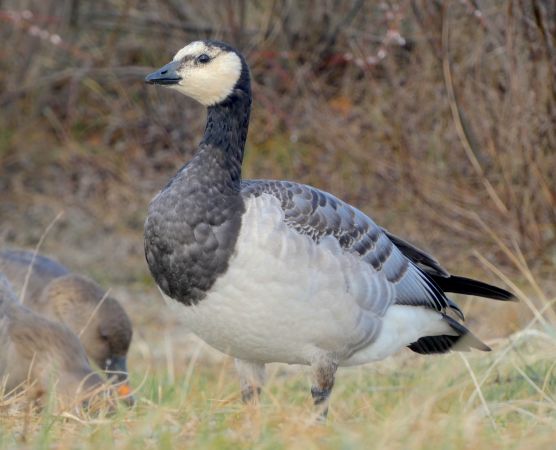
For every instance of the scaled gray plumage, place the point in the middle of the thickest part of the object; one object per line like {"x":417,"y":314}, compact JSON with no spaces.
{"x":363,"y":287}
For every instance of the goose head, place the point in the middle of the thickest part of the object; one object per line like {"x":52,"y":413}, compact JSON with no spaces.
{"x":207,"y":71}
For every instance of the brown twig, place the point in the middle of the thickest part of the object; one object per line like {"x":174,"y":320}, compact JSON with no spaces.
{"x":458,"y":119}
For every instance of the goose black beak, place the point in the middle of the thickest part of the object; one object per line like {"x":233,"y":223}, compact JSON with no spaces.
{"x":166,"y":75}
{"x":116,"y":366}
{"x":116,"y":369}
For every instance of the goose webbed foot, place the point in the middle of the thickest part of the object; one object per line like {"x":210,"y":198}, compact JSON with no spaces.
{"x":250,"y":394}
{"x":324,"y":373}
{"x":251,"y":379}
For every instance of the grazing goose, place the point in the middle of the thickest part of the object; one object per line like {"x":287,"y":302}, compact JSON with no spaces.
{"x":43,"y":352}
{"x":276,"y":271}
{"x":99,"y":320}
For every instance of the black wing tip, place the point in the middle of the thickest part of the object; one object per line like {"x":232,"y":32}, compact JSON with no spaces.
{"x":430,"y":345}
{"x":492,"y":292}
{"x":419,"y":257}
{"x":506,"y":296}
{"x":469,"y":286}
{"x":464,"y":341}
{"x":466,"y":338}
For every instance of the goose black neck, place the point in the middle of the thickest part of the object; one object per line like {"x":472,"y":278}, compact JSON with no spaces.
{"x":226,"y":132}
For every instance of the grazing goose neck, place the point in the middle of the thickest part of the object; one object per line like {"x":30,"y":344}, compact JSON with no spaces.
{"x":225,"y":134}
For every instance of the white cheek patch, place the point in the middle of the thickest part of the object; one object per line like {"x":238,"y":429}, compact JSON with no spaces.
{"x":212,"y":82}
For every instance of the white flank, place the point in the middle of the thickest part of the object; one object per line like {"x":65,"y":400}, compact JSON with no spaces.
{"x":286,"y":299}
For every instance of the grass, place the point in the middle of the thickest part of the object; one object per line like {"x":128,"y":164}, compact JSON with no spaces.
{"x":407,"y":402}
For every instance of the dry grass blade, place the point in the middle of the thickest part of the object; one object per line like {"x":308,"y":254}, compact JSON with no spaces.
{"x":478,"y":390}
{"x":36,"y":251}
{"x":94,"y":312}
{"x":533,"y":385}
{"x":457,"y":117}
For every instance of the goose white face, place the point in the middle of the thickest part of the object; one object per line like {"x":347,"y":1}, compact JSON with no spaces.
{"x":204,"y":72}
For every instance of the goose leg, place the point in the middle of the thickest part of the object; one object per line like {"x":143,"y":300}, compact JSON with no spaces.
{"x":251,"y":379}
{"x":324,"y":372}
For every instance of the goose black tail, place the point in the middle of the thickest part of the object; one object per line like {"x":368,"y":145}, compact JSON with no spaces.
{"x":462,"y":285}
{"x":464,"y":341}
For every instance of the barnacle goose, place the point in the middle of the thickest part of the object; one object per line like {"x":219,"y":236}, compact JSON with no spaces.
{"x":276,"y":271}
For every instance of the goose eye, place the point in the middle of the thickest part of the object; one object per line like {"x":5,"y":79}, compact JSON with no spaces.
{"x":203,"y":59}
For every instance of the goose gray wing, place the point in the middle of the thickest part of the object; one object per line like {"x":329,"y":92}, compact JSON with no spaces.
{"x":446,"y":281}
{"x":42,"y":265}
{"x":418,"y":256}
{"x":22,"y":266}
{"x":318,"y":214}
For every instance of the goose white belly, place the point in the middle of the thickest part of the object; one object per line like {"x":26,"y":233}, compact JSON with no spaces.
{"x":286,"y":299}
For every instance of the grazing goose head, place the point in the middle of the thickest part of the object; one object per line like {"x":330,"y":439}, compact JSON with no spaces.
{"x":207,"y":71}
{"x":102,"y":324}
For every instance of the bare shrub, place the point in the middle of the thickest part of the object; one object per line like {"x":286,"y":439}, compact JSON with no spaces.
{"x":423,"y":113}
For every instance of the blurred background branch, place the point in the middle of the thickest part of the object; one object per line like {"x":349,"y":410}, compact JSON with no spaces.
{"x":375,"y":101}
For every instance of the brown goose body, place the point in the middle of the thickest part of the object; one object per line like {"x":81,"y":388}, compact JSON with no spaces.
{"x":51,"y":290}
{"x":44,"y":353}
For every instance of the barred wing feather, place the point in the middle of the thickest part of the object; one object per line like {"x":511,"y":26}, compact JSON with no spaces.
{"x":318,"y":214}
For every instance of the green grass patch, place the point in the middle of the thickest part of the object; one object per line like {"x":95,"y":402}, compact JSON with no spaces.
{"x":405,"y":402}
